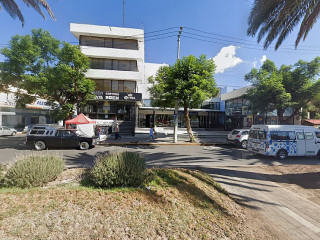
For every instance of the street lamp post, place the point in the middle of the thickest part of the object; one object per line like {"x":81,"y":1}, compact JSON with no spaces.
{"x":176,"y":107}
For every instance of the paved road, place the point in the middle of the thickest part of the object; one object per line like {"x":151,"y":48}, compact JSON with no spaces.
{"x":291,"y":215}
{"x":156,"y":155}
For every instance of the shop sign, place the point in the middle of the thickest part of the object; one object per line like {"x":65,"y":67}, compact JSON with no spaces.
{"x":130,"y":96}
{"x":122,"y":96}
{"x":106,"y":96}
{"x":39,"y":104}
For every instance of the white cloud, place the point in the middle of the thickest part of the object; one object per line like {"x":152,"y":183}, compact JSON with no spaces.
{"x":226,"y":58}
{"x":263,"y":59}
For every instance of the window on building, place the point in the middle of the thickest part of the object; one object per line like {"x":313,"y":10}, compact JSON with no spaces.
{"x":120,"y":86}
{"x":97,"y":63}
{"x":107,"y":64}
{"x":99,"y":85}
{"x":109,"y":42}
{"x":91,"y":41}
{"x":125,"y":44}
{"x":113,"y":64}
{"x":105,"y":85}
{"x":129,"y":86}
{"x":115,"y":86}
{"x":124,"y":65}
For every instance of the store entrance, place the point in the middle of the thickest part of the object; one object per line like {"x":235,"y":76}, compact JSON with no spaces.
{"x":125,"y":112}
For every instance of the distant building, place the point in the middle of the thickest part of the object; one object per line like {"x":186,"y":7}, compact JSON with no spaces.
{"x":10,"y":115}
{"x":239,"y":115}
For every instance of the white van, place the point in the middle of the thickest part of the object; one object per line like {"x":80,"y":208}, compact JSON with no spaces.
{"x":284,"y":140}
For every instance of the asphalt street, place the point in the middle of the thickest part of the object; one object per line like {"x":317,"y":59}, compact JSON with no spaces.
{"x":156,"y":155}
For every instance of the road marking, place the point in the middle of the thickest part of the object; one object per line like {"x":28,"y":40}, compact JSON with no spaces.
{"x":299,"y":219}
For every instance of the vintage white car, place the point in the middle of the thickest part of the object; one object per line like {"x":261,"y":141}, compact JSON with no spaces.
{"x":6,"y":131}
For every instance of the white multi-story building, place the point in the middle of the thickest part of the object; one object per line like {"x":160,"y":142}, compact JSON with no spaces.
{"x":117,"y":67}
{"x":121,"y":75}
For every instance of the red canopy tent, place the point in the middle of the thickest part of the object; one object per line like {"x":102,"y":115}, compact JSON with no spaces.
{"x":80,"y":119}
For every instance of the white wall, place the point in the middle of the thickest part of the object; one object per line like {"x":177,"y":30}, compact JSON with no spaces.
{"x":150,"y":69}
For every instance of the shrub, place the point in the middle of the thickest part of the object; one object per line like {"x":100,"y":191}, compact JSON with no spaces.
{"x":123,"y":169}
{"x":33,"y":170}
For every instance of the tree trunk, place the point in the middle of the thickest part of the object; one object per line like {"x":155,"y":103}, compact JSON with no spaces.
{"x":187,"y":121}
{"x":280,"y":113}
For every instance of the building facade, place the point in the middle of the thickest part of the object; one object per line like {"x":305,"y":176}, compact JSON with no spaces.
{"x":117,"y":68}
{"x":239,"y":115}
{"x":11,"y":116}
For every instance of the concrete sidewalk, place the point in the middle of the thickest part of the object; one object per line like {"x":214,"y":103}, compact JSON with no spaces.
{"x":164,"y":136}
{"x":292,"y":216}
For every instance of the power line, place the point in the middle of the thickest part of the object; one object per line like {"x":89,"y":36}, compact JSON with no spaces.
{"x":222,"y":43}
{"x":241,"y":39}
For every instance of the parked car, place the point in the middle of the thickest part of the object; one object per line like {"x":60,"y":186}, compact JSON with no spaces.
{"x":239,"y":137}
{"x":41,"y":139}
{"x":6,"y":131}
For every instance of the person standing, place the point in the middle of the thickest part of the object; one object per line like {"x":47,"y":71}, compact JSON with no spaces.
{"x":116,"y":130}
{"x":151,"y":134}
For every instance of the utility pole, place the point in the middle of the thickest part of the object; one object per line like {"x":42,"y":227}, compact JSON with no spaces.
{"x":123,"y":12}
{"x":176,"y":104}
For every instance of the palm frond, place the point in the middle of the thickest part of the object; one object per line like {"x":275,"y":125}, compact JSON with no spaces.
{"x":12,"y":8}
{"x":14,"y":11}
{"x":309,"y":20}
{"x":274,"y":20}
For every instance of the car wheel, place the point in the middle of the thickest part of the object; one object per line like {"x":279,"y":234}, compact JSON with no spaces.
{"x":282,"y":154}
{"x":84,"y":145}
{"x":244,"y":144}
{"x":39,"y":145}
{"x":13,"y":133}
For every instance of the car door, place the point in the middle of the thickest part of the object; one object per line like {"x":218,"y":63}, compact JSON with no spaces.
{"x":6,"y":131}
{"x":69,"y":139}
{"x":311,"y":144}
{"x":301,"y":143}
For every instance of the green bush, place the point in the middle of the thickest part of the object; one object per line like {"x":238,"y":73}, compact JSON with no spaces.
{"x":123,"y":169}
{"x":33,"y":170}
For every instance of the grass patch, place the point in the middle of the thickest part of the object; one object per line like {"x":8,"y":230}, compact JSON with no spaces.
{"x":172,"y":204}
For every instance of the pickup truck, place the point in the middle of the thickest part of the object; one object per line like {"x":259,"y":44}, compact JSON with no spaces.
{"x":41,"y":139}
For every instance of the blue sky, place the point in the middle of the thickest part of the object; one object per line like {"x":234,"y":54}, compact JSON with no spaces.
{"x":213,"y":27}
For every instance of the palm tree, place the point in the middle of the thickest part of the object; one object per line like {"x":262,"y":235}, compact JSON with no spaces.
{"x":275,"y":19}
{"x":13,"y":9}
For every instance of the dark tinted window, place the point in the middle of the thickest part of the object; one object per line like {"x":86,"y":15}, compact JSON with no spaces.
{"x":283,"y":135}
{"x":59,"y":133}
{"x":318,"y":134}
{"x":33,"y":131}
{"x":256,"y":134}
{"x":68,"y":133}
{"x":235,"y":132}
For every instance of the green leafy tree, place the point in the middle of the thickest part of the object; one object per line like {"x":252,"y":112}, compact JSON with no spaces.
{"x":289,"y":86}
{"x":190,"y":81}
{"x":37,"y":66}
{"x":13,"y":9}
{"x":274,"y":20}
